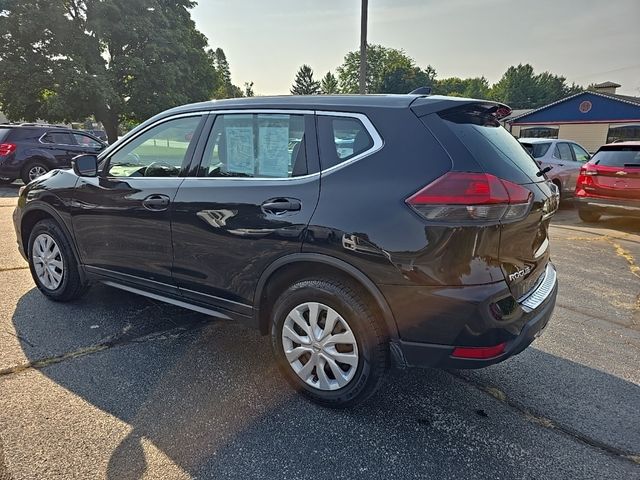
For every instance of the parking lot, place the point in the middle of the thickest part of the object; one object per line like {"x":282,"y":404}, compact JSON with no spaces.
{"x":122,"y":387}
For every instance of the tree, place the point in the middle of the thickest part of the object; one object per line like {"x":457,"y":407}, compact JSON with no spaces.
{"x":248,"y":89}
{"x":457,"y":87}
{"x":118,"y":60}
{"x":329,"y":84}
{"x":520,"y":87}
{"x":225,"y":89}
{"x":304,"y":84}
{"x":389,"y":70}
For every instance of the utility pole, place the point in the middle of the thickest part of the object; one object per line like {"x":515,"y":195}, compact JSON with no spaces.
{"x":363,"y":47}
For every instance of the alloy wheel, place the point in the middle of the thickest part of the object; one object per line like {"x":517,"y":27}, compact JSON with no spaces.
{"x":47,"y":261}
{"x":320,"y":346}
{"x":36,"y":171}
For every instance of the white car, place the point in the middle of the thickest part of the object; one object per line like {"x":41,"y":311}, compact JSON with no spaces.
{"x":565,"y":157}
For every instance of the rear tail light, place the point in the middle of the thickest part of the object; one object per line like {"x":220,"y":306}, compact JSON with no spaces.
{"x":479,"y":352}
{"x":463,"y":196}
{"x":7,"y":149}
{"x":585,"y":180}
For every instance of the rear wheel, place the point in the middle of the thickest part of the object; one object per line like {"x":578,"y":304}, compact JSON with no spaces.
{"x":53,"y":266}
{"x":330,"y":345}
{"x":7,"y":181}
{"x":33,"y":170}
{"x":588,"y":216}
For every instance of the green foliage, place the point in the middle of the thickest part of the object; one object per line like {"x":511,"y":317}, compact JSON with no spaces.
{"x":304,"y":84}
{"x":389,"y":70}
{"x":329,"y":84}
{"x":468,"y":87}
{"x":520,"y":87}
{"x":118,"y":60}
{"x":225,"y":88}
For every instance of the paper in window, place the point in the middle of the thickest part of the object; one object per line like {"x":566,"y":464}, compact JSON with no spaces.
{"x":274,"y":156}
{"x":240,"y":153}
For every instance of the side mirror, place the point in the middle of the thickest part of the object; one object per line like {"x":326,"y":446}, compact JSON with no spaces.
{"x":85,"y":165}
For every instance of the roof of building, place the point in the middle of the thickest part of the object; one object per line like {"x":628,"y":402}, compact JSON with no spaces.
{"x":607,"y":85}
{"x":635,"y":101}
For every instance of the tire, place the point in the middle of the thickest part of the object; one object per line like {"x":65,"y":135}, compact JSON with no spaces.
{"x":588,"y":216}
{"x":356,"y":320}
{"x":62,"y":261}
{"x":7,"y":182}
{"x":32,"y":168}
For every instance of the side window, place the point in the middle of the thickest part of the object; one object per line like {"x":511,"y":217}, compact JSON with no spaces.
{"x":60,"y":138}
{"x":581,"y":154}
{"x":86,"y":140}
{"x":158,"y":152}
{"x":255,"y":145}
{"x":563,"y":152}
{"x":340,"y":139}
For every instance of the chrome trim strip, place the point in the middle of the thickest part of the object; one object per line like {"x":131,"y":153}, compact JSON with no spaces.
{"x":543,"y":248}
{"x":171,"y":301}
{"x":378,"y":142}
{"x":541,"y":292}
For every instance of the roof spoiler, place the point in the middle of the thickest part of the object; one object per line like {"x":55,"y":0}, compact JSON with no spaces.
{"x":421,"y":91}
{"x":437,"y":103}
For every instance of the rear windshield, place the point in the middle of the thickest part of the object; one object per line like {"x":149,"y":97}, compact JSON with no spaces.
{"x":495,"y":149}
{"x":618,"y":156}
{"x":536,"y":150}
{"x":3,"y":133}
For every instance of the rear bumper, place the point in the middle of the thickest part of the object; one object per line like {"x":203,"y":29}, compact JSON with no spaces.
{"x":609,"y":206}
{"x":530,"y":320}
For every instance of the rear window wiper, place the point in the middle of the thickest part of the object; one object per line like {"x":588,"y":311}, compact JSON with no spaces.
{"x":543,"y":171}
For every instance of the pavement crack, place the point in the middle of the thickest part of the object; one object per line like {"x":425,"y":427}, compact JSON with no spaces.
{"x":547,"y":422}
{"x":119,"y":340}
{"x":10,"y":269}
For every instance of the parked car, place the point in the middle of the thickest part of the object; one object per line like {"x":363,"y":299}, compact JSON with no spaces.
{"x":30,"y":151}
{"x":609,"y":184}
{"x":427,"y":244}
{"x":565,"y":158}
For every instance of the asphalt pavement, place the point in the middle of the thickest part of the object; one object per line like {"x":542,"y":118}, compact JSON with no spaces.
{"x":122,"y":387}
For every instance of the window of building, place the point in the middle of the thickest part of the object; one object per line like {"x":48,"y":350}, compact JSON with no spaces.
{"x":623,"y":133}
{"x":539,"y":132}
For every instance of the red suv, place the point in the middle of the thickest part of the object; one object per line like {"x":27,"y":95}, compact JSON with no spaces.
{"x":609,"y":184}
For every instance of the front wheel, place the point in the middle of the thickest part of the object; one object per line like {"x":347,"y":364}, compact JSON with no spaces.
{"x":329,"y":343}
{"x":53,"y":266}
{"x":588,"y":216}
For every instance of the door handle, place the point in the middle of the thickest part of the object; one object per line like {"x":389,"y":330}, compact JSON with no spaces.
{"x":156,"y":203}
{"x":278,"y":206}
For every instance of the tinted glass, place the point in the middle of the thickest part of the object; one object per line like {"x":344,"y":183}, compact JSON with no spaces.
{"x":86,"y":140}
{"x":489,"y":143}
{"x":255,"y":146}
{"x":563,"y":152}
{"x":581,"y":154}
{"x":60,"y":138}
{"x":159,"y":152}
{"x":3,"y":133}
{"x":341,"y":139}
{"x":618,"y":157}
{"x":537,"y":150}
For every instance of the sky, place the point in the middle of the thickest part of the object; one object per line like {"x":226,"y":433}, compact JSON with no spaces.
{"x":587,"y":41}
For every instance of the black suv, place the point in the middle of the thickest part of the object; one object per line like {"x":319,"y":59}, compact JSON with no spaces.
{"x":360,"y":232}
{"x":28,"y":151}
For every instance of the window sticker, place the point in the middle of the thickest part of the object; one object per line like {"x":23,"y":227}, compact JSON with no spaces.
{"x":273,"y":146}
{"x":240,"y":153}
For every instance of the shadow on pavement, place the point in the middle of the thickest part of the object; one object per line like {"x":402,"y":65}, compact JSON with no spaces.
{"x":11,"y":190}
{"x":568,"y":215}
{"x":208,"y":395}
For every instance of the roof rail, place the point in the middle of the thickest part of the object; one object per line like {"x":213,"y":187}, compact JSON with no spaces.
{"x":40,"y":124}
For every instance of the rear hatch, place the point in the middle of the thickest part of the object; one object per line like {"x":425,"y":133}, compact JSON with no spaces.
{"x":524,"y":241}
{"x":613,"y":172}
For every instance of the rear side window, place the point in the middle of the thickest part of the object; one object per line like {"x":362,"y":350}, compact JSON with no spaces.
{"x":495,"y":149}
{"x":341,"y":139}
{"x":563,"y":152}
{"x":537,"y":150}
{"x":618,"y":157}
{"x":61,"y":138}
{"x":256,"y":146}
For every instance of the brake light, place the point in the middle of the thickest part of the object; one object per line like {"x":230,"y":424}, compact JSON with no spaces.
{"x":464,"y":196}
{"x":585,"y":180}
{"x":7,"y":149}
{"x":479,"y":352}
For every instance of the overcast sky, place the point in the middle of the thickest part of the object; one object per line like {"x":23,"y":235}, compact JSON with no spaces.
{"x":584,"y":40}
